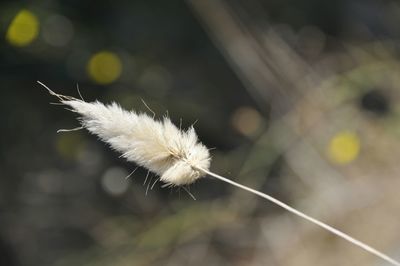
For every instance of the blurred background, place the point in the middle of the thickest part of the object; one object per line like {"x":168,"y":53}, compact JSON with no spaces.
{"x":299,"y":99}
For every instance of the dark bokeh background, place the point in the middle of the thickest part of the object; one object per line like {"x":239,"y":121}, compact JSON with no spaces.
{"x":300,"y":102}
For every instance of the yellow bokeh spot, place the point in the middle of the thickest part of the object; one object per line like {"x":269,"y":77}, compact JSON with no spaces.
{"x":69,"y":145}
{"x":24,"y":29}
{"x":104,"y":67}
{"x":344,"y":147}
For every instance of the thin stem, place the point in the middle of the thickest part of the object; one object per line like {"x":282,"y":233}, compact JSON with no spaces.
{"x":308,"y":218}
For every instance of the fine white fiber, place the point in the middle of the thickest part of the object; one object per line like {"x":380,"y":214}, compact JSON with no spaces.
{"x":175,"y":155}
{"x":159,"y":146}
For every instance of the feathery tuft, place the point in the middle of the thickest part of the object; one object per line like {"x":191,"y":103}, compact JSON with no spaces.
{"x":175,"y":155}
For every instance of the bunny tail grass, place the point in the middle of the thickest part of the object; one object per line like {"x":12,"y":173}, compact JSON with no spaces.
{"x":306,"y":217}
{"x":175,"y":155}
{"x":157,"y":145}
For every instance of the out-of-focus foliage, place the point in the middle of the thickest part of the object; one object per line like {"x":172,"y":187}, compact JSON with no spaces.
{"x":300,"y":99}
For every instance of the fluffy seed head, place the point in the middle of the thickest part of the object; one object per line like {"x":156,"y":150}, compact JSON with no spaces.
{"x":158,"y":145}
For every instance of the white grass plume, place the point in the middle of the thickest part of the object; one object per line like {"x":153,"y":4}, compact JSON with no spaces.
{"x":175,"y":155}
{"x":159,"y":146}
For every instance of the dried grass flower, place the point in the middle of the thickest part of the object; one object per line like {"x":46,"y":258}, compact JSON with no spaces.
{"x":175,"y":155}
{"x":159,"y":146}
